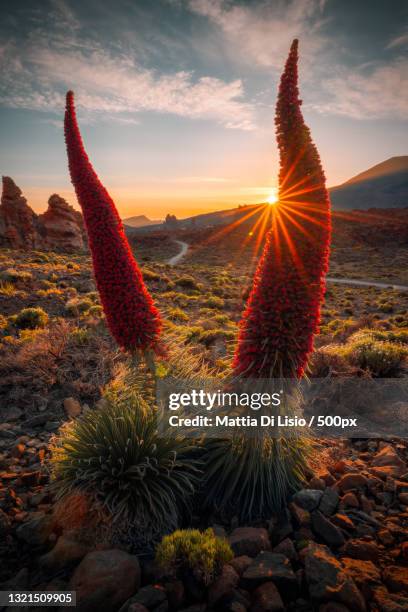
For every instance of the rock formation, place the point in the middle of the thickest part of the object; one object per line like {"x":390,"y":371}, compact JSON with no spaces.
{"x":17,"y":220}
{"x":62,"y":225}
{"x":60,"y":228}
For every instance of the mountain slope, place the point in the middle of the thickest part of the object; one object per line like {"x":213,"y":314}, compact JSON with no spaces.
{"x":385,"y":185}
{"x":139,"y":221}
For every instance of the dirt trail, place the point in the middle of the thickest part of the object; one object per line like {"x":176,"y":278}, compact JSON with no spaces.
{"x":343,"y":281}
{"x":177,"y":258}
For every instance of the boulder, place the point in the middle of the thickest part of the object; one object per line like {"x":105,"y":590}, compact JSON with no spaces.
{"x":266,"y":598}
{"x":308,"y":499}
{"x":269,"y":566}
{"x":361,"y":549}
{"x":352,"y":481}
{"x":223,"y":585}
{"x":387,"y":456}
{"x":151,"y":596}
{"x":66,"y":551}
{"x":36,"y":530}
{"x":105,"y":579}
{"x":396,"y":578}
{"x":240,"y":563}
{"x":328,"y":581}
{"x":326,"y":530}
{"x":389,"y":602}
{"x":249,"y":541}
{"x":329,"y":501}
{"x":18,"y":223}
{"x":364,"y":573}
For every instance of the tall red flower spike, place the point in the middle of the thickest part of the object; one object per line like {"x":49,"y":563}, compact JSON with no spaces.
{"x":132,"y":318}
{"x":283,"y":310}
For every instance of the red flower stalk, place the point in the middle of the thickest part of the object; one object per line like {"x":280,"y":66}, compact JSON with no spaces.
{"x":283,"y":310}
{"x":132,"y":318}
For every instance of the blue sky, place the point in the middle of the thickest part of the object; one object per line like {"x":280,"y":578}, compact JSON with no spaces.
{"x":176,"y":97}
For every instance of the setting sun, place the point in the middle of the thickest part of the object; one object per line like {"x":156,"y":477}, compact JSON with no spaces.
{"x":273,"y":196}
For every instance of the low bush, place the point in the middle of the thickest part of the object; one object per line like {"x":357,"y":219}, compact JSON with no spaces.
{"x":213,"y":302}
{"x":187,"y":282}
{"x":11,"y":275}
{"x":176,"y":314}
{"x":142,"y":480}
{"x":31,"y":318}
{"x":252,"y":478}
{"x":78,"y":306}
{"x":193,"y":552}
{"x":381,"y":358}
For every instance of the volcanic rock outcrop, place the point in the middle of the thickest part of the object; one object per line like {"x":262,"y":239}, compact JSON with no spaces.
{"x":60,"y":228}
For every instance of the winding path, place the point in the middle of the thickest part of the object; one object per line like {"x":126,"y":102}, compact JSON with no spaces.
{"x":330,"y":279}
{"x":180,"y":255}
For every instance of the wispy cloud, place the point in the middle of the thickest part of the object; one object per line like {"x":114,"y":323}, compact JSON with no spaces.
{"x":36,"y":75}
{"x":383,"y":92}
{"x":262,"y":32}
{"x":399,"y":41}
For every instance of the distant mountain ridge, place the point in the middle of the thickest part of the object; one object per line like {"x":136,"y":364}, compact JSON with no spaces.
{"x":384,"y":185}
{"x":140,"y":221}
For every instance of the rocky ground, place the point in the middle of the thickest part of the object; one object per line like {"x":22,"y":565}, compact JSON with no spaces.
{"x":340,"y":544}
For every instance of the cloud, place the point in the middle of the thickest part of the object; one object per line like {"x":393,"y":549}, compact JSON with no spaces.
{"x":399,"y":41}
{"x":381,"y":93}
{"x":36,"y":76}
{"x":263,"y":32}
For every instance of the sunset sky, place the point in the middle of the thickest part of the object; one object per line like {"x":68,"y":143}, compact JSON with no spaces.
{"x":176,"y":98}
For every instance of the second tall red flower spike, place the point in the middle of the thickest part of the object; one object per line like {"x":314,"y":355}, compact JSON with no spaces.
{"x":283,"y":309}
{"x":131,"y":315}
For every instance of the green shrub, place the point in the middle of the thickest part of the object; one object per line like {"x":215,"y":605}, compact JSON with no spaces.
{"x":252,"y":478}
{"x":209,"y":336}
{"x":213,"y":302}
{"x":190,"y":551}
{"x":96,"y":311}
{"x":143,"y":481}
{"x":176,"y":314}
{"x":77,"y":306}
{"x":380,"y":357}
{"x":31,"y":318}
{"x":149,"y":275}
{"x":187,"y":282}
{"x":11,"y":275}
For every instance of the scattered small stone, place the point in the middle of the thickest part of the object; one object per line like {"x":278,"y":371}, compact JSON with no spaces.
{"x":389,"y":602}
{"x":350,"y":500}
{"x":317,"y":483}
{"x":396,"y":578}
{"x":364,"y":573}
{"x":352,"y":481}
{"x":360,"y":549}
{"x":387,"y":456}
{"x":343,"y":521}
